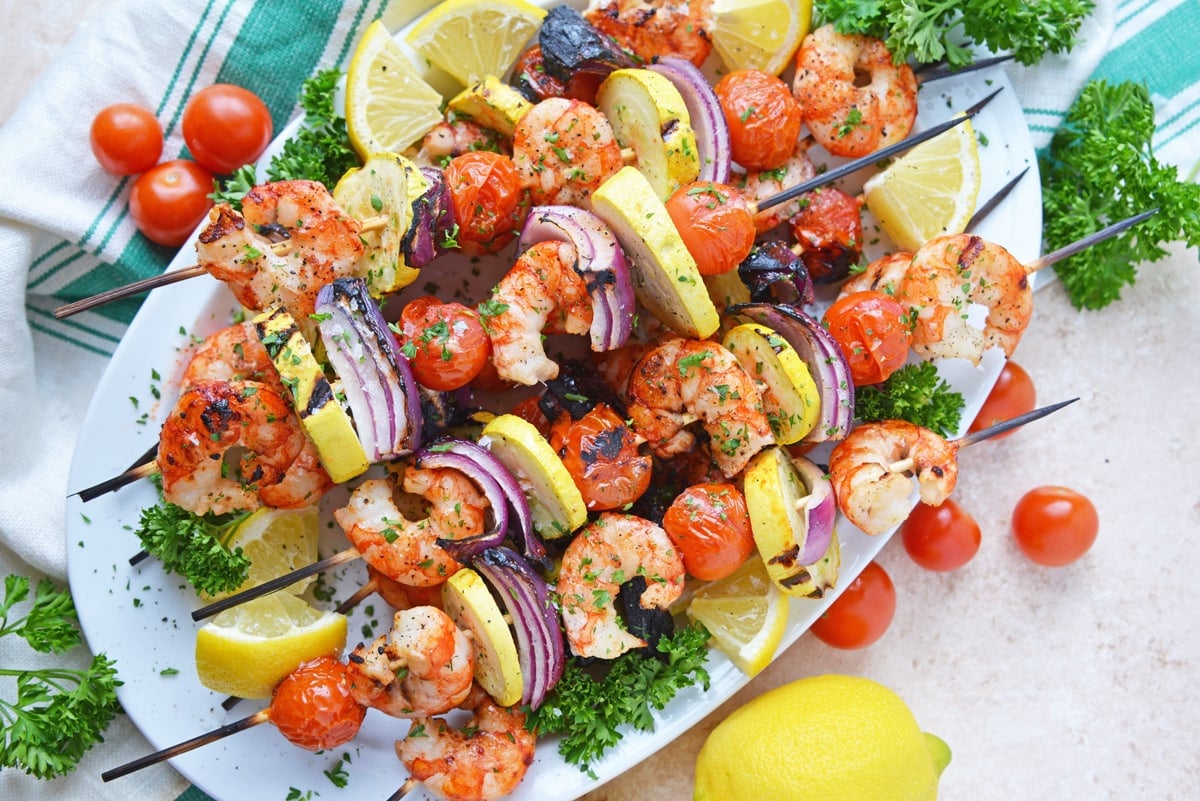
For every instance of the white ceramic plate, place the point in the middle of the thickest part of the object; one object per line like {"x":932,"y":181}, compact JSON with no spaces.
{"x":141,"y":617}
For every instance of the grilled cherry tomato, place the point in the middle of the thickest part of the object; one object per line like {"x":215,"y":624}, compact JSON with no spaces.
{"x":763,"y":118}
{"x":126,"y":139}
{"x":830,"y":233}
{"x":529,"y":411}
{"x":873,"y":333}
{"x":445,"y":343}
{"x":314,"y":708}
{"x":489,"y":201}
{"x":862,"y":613}
{"x":531,"y":79}
{"x":1012,"y":395}
{"x":710,"y":526}
{"x":168,"y":201}
{"x":716,"y":224}
{"x":601,"y":453}
{"x":226,"y":127}
{"x":1054,"y":526}
{"x":940,"y":537}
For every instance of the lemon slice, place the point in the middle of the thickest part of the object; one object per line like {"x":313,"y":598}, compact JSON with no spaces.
{"x":929,"y":191}
{"x":471,"y":39}
{"x":470,"y":604}
{"x":388,"y":105}
{"x":380,"y":189}
{"x":745,"y":613}
{"x":759,"y":34}
{"x":276,"y":541}
{"x":555,"y":503}
{"x":791,"y":400}
{"x":245,"y":651}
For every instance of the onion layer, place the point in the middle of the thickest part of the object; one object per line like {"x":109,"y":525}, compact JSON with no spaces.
{"x":708,"y":120}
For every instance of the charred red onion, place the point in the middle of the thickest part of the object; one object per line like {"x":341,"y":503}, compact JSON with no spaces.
{"x":819,"y":509}
{"x":708,"y":120}
{"x":432,"y":222}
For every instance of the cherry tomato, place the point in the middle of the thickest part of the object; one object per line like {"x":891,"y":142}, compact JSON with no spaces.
{"x":531,"y":78}
{"x":168,"y":201}
{"x":531,"y":412}
{"x":1012,"y":395}
{"x":710,"y":526}
{"x":601,"y":453}
{"x":445,"y":343}
{"x":226,"y":127}
{"x":1054,"y":526}
{"x":940,"y":537}
{"x":126,"y":139}
{"x":314,"y":707}
{"x":829,"y":230}
{"x":716,"y":224}
{"x":489,"y":201}
{"x":861,"y":614}
{"x":873,"y":333}
{"x":763,"y":117}
{"x":489,"y":380}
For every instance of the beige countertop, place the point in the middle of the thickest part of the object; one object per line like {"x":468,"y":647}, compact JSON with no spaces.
{"x":1069,"y":683}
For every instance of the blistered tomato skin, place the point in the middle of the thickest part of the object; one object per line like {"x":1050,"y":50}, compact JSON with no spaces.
{"x":314,"y":708}
{"x":861,"y":614}
{"x":716,"y":224}
{"x":126,"y":139}
{"x":710,"y":525}
{"x":167,"y":202}
{"x":1054,"y":526}
{"x":489,"y":201}
{"x":763,"y":118}
{"x":445,"y":343}
{"x":601,"y":453}
{"x":871,"y":329}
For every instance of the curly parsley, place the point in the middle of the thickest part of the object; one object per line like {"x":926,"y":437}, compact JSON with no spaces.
{"x":194,"y":546}
{"x":320,"y":150}
{"x":915,"y":393}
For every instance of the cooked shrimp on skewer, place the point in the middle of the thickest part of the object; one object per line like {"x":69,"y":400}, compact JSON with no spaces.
{"x":451,"y":138}
{"x":652,"y":28}
{"x":542,"y":292}
{"x":847,"y":117}
{"x":423,"y":666}
{"x":759,"y":185}
{"x":234,"y":352}
{"x":605,"y":553}
{"x":324,"y":245}
{"x":484,"y":760}
{"x":564,"y":149}
{"x":405,"y":550}
{"x":278,"y":466}
{"x":682,"y":381}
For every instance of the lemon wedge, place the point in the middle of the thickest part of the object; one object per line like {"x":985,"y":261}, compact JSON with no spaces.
{"x":745,"y":613}
{"x":247,"y":650}
{"x":471,"y":39}
{"x":380,"y":189}
{"x":470,"y":604}
{"x":555,"y":503}
{"x":790,"y":399}
{"x":276,"y":541}
{"x":929,"y":191}
{"x":388,"y":105}
{"x":759,"y":34}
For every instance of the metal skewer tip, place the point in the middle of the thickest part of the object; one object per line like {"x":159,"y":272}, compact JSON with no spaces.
{"x":932,"y":72}
{"x":1089,"y":240}
{"x":995,"y":200}
{"x":1009,"y":425}
{"x":275,"y":584}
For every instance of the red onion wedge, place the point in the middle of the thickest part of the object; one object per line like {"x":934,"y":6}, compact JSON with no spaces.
{"x":819,"y":507}
{"x":599,"y":261}
{"x":535,"y":619}
{"x":376,"y":378}
{"x":433,"y":222}
{"x":824,"y":358}
{"x":708,"y":120}
{"x":500,"y":488}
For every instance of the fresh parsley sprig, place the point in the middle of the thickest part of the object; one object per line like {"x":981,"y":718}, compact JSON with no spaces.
{"x":320,"y":150}
{"x":915,"y":393}
{"x":1099,"y":169}
{"x":58,"y":713}
{"x":194,"y":546}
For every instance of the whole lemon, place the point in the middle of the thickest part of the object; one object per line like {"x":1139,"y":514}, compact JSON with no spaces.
{"x":834,"y":738}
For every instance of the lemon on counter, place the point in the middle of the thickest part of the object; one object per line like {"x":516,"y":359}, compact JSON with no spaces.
{"x":832,"y":738}
{"x":471,"y":39}
{"x":745,"y":613}
{"x":759,"y":34}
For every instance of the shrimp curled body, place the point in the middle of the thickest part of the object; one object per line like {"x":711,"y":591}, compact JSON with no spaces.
{"x":564,"y":149}
{"x":233,"y":352}
{"x":604,"y":554}
{"x":654,"y":28}
{"x":872,"y":473}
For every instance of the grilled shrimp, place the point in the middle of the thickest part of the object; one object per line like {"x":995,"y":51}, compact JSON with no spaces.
{"x":871,"y":471}
{"x":947,"y":274}
{"x":423,"y":666}
{"x":653,"y":28}
{"x":847,"y":117}
{"x":542,"y":292}
{"x":604,"y":554}
{"x":278,"y":466}
{"x":323,"y":240}
{"x":564,"y":149}
{"x":759,"y":185}
{"x":885,"y":275}
{"x":405,"y":550}
{"x":446,"y":140}
{"x":681,"y":381}
{"x":484,"y":760}
{"x":234,"y":352}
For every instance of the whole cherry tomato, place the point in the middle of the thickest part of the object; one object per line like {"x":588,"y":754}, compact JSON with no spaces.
{"x":601,"y":453}
{"x":126,"y":139}
{"x":1054,"y":526}
{"x":489,"y":201}
{"x":873,"y":333}
{"x":716,"y":225}
{"x":710,"y":526}
{"x":168,"y":201}
{"x":829,"y":230}
{"x":226,"y":127}
{"x":940,"y":537}
{"x":445,"y":343}
{"x":763,"y":118}
{"x":314,"y":707}
{"x":862,"y":613}
{"x":1013,"y":394}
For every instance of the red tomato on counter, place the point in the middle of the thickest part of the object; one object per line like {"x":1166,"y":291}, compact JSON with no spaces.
{"x":126,"y":139}
{"x":1054,"y":526}
{"x":862,"y":613}
{"x":226,"y":127}
{"x":941,"y":537}
{"x":167,"y":202}
{"x":1013,"y":394}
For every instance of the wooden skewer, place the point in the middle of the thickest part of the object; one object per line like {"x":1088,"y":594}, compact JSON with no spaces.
{"x":404,"y":790}
{"x":933,"y":72}
{"x":275,"y":584}
{"x":262,"y":716}
{"x":135,"y":471}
